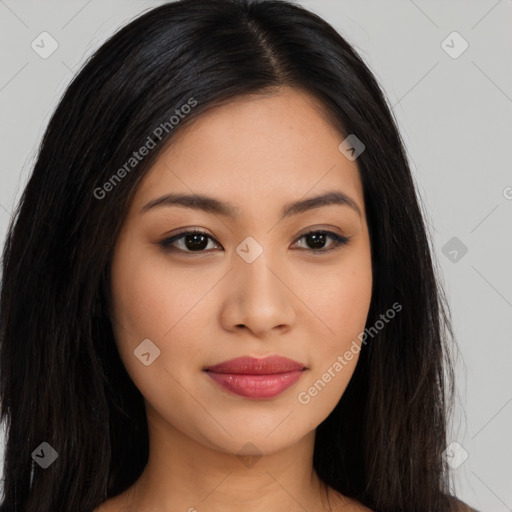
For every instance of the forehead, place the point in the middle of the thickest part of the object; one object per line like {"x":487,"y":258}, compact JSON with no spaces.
{"x":255,"y":151}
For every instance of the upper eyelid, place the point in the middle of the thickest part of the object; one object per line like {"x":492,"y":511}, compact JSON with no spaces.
{"x":186,"y":231}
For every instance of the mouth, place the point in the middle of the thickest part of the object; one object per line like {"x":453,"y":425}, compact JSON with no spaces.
{"x":254,"y":378}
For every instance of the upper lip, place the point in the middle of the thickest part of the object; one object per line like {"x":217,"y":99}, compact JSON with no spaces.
{"x":247,"y":365}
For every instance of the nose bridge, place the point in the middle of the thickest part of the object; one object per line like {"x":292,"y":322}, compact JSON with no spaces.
{"x":252,"y":266}
{"x":261,"y":293}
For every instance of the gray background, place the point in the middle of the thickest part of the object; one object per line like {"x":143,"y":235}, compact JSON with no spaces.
{"x":455,"y":118}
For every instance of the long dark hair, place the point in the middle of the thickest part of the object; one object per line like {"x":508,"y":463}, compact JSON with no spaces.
{"x":62,"y":380}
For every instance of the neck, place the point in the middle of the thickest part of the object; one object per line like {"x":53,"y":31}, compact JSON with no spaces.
{"x":185,"y":474}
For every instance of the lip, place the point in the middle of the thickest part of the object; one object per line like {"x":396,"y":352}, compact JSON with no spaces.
{"x":256,"y":378}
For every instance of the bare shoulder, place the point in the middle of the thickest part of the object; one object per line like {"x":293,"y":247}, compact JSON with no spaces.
{"x":106,"y":506}
{"x":351,"y":505}
{"x":103,"y":507}
{"x":115,"y":504}
{"x":460,"y":506}
{"x":359,"y":507}
{"x":346,"y":504}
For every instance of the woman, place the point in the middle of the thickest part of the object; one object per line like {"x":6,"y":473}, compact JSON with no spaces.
{"x":217,"y":289}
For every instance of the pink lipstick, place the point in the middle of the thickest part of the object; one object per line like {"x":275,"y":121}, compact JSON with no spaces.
{"x":256,"y":378}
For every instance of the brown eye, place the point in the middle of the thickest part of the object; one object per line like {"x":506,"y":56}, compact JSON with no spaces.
{"x":190,"y":241}
{"x":316,"y":240}
{"x":197,"y":241}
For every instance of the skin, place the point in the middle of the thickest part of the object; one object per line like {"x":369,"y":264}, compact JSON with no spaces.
{"x":258,"y":152}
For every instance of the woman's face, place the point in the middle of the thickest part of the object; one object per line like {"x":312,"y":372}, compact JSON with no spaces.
{"x":256,"y":284}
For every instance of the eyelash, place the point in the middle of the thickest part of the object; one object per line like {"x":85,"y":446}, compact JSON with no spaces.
{"x":339,"y":241}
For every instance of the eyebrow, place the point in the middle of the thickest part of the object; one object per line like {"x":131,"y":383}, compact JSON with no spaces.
{"x":215,"y":206}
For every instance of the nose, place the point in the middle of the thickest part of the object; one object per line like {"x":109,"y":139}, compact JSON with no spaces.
{"x":258,"y":296}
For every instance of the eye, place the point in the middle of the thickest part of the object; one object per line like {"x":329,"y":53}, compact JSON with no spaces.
{"x":193,"y":241}
{"x":197,"y":241}
{"x":318,"y":238}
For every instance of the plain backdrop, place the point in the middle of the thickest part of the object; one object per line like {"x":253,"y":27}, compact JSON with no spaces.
{"x":451,"y":95}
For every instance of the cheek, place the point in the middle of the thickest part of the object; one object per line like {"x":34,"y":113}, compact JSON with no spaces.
{"x":152,"y":301}
{"x":339,"y":296}
{"x":341,"y":300}
{"x":151,"y":296}
{"x":165,"y":303}
{"x":350,"y":300}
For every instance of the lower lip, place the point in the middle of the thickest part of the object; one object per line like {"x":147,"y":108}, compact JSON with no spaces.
{"x":256,"y":386}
